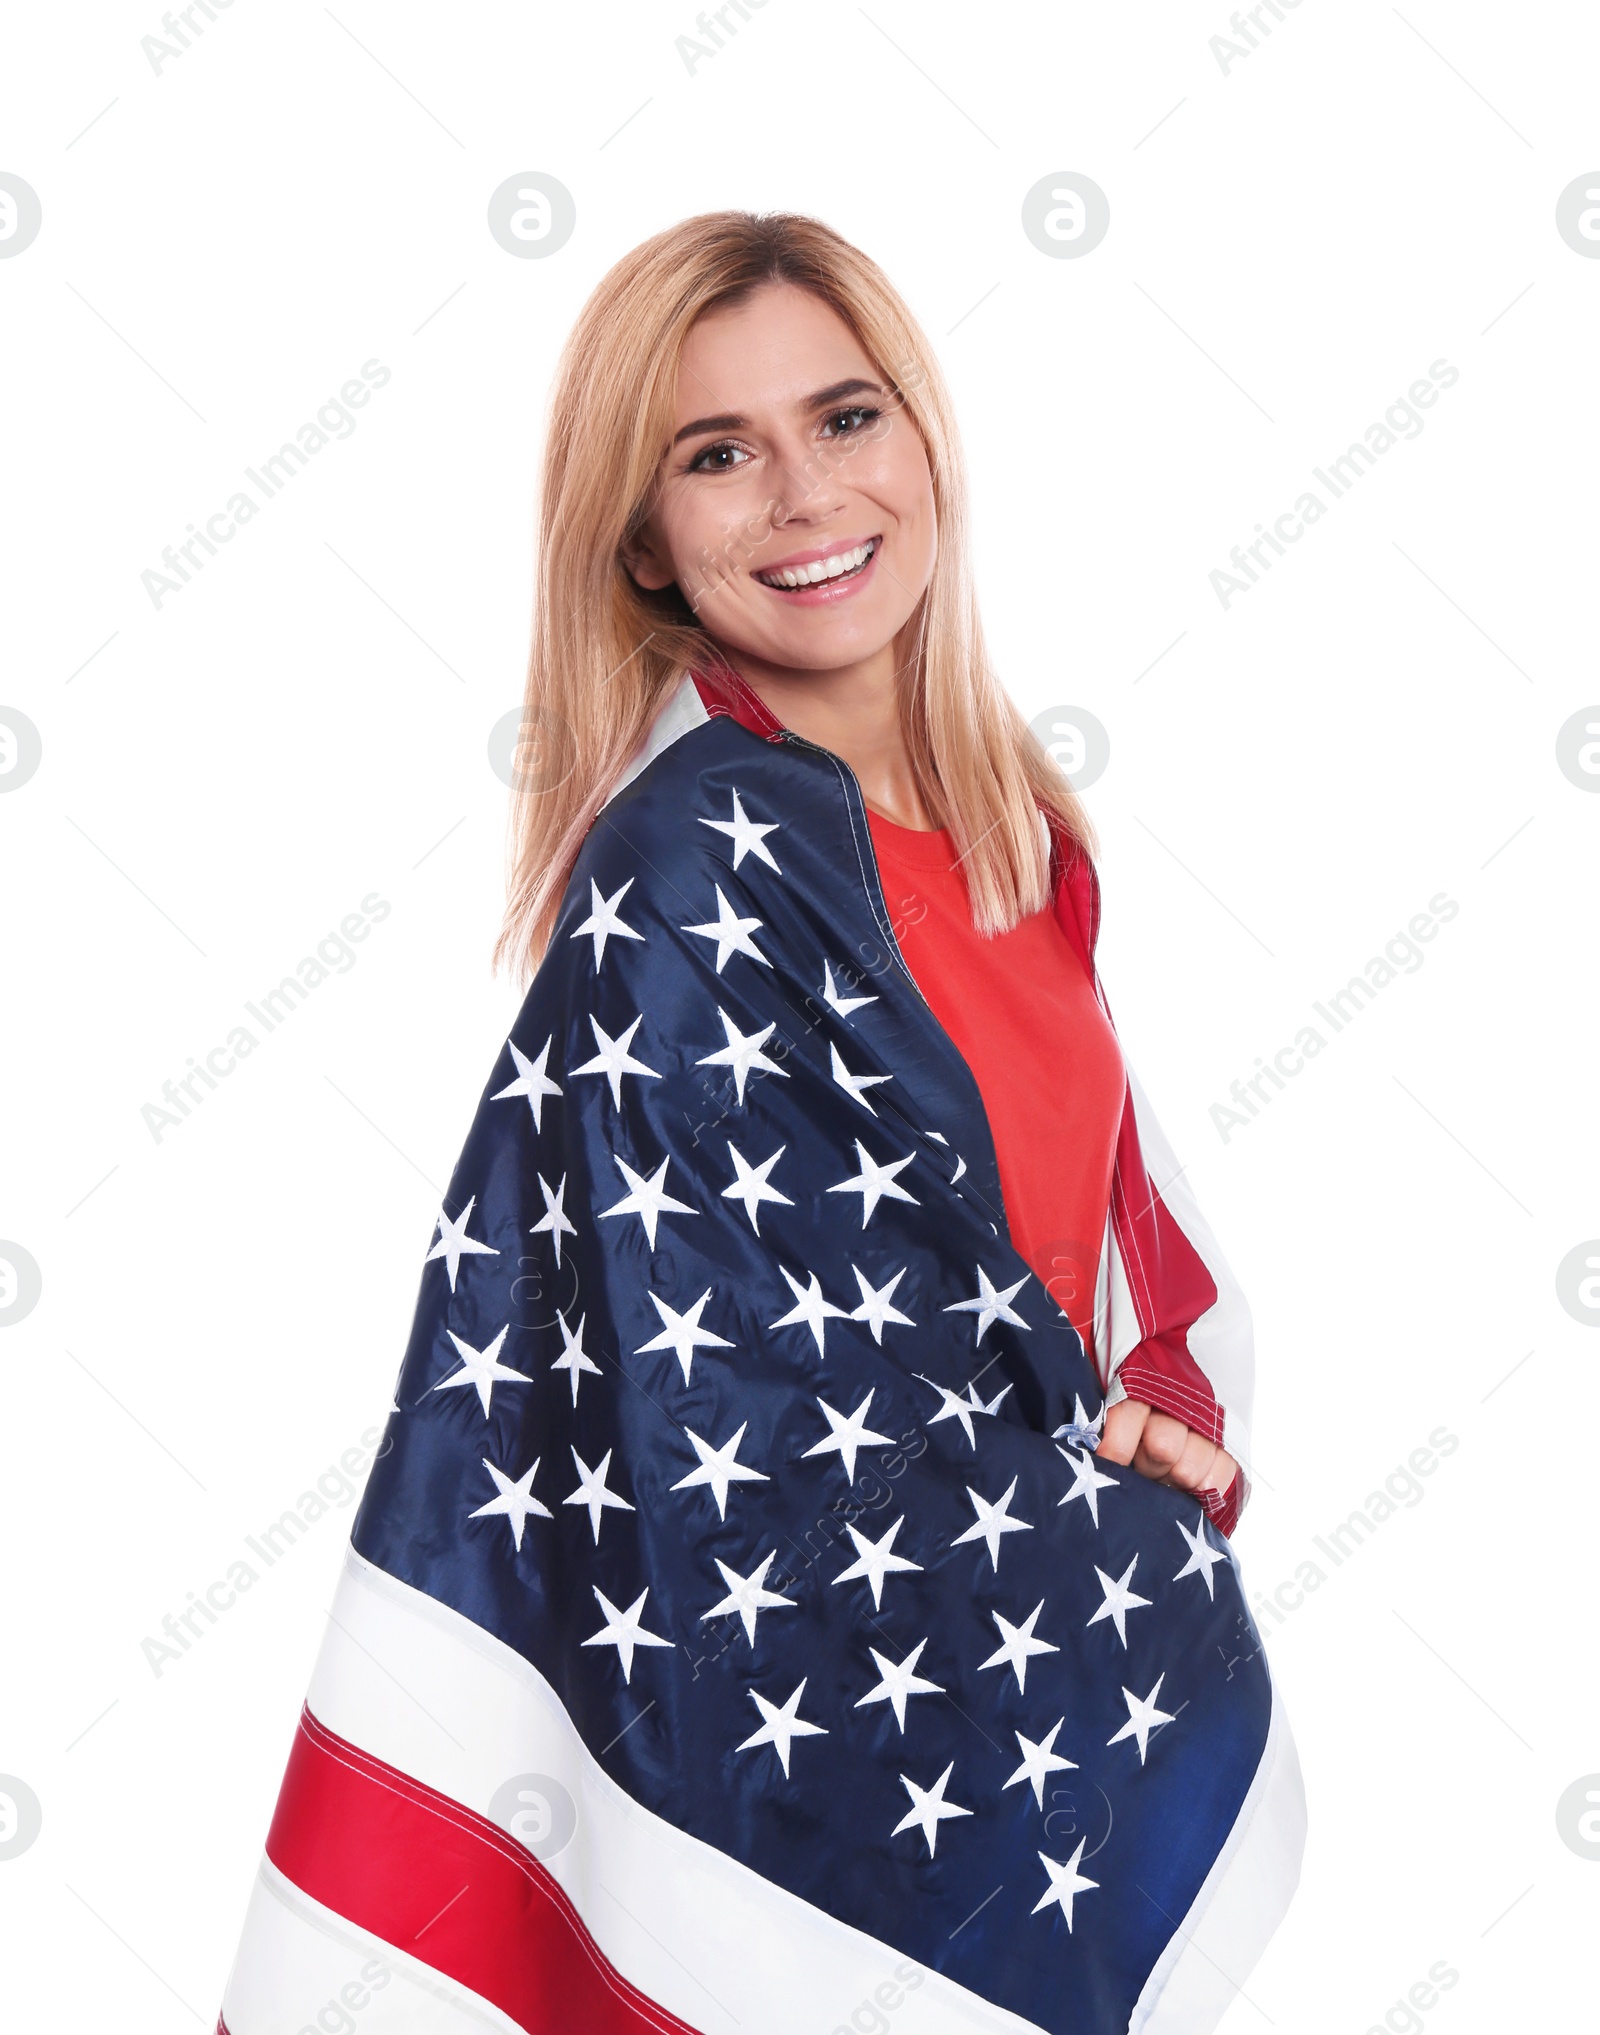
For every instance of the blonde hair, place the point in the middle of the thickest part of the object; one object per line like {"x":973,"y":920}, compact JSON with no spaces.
{"x":605,"y":652}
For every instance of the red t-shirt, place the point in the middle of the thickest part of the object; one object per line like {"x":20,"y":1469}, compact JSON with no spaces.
{"x":1023,"y":1013}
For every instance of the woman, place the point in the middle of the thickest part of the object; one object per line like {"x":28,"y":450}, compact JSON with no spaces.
{"x":792,"y":1594}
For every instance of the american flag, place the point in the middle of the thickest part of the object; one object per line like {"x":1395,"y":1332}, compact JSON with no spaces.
{"x":739,"y":1631}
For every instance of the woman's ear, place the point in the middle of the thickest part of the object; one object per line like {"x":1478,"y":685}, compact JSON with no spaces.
{"x":646,"y":560}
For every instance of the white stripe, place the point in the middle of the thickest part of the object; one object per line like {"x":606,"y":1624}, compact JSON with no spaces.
{"x":1126,"y":1329}
{"x":1243,"y":1900}
{"x":683,"y":710}
{"x":415,"y":1684}
{"x":302,"y":1970}
{"x":1222,"y":1341}
{"x":1101,"y":1326}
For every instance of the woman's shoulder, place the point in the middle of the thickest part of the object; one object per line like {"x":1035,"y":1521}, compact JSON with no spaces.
{"x":707,"y":795}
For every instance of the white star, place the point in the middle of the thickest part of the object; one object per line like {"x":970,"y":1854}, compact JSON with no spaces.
{"x":1018,"y":1645}
{"x":647,"y":1199}
{"x":1203,"y":1557}
{"x":574,"y":1357}
{"x":603,"y":921}
{"x":877,"y":1303}
{"x":623,"y":1630}
{"x":531,"y":1079}
{"x":1080,"y":1431}
{"x":897,"y":1683}
{"x":1039,"y":1762}
{"x":752,"y":1186}
{"x":991,"y":1303}
{"x":1143,"y":1717}
{"x":1119,"y":1599}
{"x":962,"y":1407}
{"x":746,"y":835}
{"x":731,"y":933}
{"x":809,"y":1308}
{"x":831,"y":996}
{"x":781,"y":1726}
{"x":1065,"y":1881}
{"x":481,"y":1369}
{"x":748,"y":1595}
{"x":613,"y":1059}
{"x":554,"y":1218}
{"x":592,"y":1491}
{"x":853,"y":1084}
{"x":683,"y":1334}
{"x":873,"y":1182}
{"x":719,"y":1468}
{"x":953,"y":1406}
{"x":742,"y":1053}
{"x":848,"y":1435}
{"x":961,"y":1167}
{"x":1087,"y":1482}
{"x":874,"y":1560}
{"x":928,"y":1808}
{"x":454,"y":1243}
{"x":992,"y":1522}
{"x":515,"y":1502}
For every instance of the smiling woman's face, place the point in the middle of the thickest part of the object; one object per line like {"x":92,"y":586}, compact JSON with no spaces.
{"x":795,"y":507}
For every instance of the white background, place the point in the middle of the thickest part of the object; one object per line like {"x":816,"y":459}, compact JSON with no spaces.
{"x":1293,"y":242}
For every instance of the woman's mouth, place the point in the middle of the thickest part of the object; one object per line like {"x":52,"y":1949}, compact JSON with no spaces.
{"x":822,"y":577}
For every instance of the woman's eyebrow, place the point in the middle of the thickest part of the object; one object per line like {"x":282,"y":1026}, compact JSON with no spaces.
{"x":821,"y":400}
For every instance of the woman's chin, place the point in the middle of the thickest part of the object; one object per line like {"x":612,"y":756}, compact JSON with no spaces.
{"x":818,"y":641}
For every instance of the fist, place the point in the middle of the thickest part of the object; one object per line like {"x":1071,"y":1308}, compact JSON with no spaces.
{"x":1160,"y":1447}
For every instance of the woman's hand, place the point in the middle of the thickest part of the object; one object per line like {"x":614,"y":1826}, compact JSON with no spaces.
{"x":1163,"y":1448}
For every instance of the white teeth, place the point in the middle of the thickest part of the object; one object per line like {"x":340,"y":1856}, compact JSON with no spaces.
{"x":836,"y":567}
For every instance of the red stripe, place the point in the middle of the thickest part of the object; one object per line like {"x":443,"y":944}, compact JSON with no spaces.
{"x":448,"y":1887}
{"x":1223,"y":1507}
{"x":1168,"y":1280}
{"x":723,"y":691}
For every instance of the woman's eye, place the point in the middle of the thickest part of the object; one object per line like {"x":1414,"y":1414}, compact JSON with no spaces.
{"x":718,"y":459}
{"x":725,"y":456}
{"x":854,"y":419}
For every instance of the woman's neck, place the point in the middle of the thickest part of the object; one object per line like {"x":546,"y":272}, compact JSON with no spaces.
{"x":854,"y":712}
